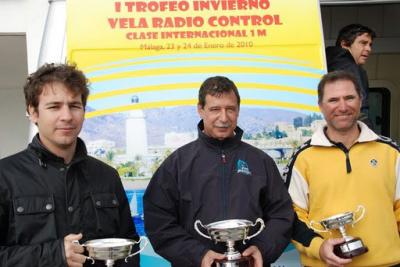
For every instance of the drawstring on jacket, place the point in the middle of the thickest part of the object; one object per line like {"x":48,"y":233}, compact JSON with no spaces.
{"x":42,"y":163}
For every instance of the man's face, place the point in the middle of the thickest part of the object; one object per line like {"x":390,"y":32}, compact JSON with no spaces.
{"x":340,"y":106}
{"x":59,"y":117}
{"x":220,"y":114}
{"x":360,"y":48}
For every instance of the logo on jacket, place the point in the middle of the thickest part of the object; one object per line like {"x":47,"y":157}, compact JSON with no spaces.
{"x":373,"y":162}
{"x":242,"y":167}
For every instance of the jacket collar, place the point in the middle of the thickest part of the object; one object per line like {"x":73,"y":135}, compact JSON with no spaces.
{"x":319,"y":137}
{"x":45,"y":155}
{"x":222,"y":144}
{"x":338,"y":54}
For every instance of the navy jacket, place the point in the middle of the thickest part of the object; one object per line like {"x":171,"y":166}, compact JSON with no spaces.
{"x":211,"y":180}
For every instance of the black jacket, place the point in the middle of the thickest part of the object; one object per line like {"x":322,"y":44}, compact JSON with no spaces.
{"x":42,"y":200}
{"x":211,"y":180}
{"x":338,"y":58}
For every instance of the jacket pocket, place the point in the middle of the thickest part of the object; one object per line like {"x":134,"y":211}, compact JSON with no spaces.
{"x":35,"y":220}
{"x":107,"y":213}
{"x":246,"y":196}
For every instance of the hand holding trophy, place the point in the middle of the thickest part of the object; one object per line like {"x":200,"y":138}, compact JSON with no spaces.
{"x":352,"y":246}
{"x":230,"y":231}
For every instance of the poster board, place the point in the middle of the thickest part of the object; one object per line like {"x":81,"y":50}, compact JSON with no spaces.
{"x":146,"y":60}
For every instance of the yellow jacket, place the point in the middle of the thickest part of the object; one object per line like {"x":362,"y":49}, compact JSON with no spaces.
{"x":325,"y":179}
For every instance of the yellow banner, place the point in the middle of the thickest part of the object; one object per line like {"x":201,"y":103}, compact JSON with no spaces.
{"x":146,"y":60}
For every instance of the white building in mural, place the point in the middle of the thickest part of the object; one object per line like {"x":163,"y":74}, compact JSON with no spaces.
{"x":99,"y":147}
{"x":316,"y":124}
{"x":175,"y":140}
{"x":136,"y":132}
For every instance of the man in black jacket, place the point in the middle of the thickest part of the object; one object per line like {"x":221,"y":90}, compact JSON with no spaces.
{"x":216,"y":177}
{"x":351,"y":51}
{"x":53,"y":193}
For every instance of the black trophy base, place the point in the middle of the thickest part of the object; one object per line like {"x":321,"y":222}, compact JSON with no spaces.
{"x":350,"y":248}
{"x":242,"y":262}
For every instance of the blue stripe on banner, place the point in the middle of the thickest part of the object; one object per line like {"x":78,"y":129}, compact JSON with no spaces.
{"x":283,"y":80}
{"x":156,"y":96}
{"x":199,"y":55}
{"x":201,"y":63}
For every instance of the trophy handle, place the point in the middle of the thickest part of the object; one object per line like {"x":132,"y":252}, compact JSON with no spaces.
{"x":316,"y":229}
{"x":362,"y":209}
{"x":146,"y":240}
{"x":262,"y":226}
{"x":83,"y":245}
{"x":197,"y":229}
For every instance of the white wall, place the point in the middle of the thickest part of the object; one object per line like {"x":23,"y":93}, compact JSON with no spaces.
{"x":14,"y":124}
{"x":27,"y":17}
{"x":21,"y":26}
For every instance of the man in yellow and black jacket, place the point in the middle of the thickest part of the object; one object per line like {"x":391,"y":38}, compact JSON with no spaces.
{"x":343,"y":166}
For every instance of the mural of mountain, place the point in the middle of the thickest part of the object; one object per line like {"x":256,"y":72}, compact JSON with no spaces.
{"x":109,"y":127}
{"x":254,"y":120}
{"x":178,"y":119}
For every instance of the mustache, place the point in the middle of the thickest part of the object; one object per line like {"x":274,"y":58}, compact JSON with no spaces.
{"x":223,"y":125}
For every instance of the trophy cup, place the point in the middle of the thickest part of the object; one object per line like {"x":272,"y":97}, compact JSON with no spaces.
{"x":352,"y":246}
{"x":111,"y":249}
{"x":229,"y":231}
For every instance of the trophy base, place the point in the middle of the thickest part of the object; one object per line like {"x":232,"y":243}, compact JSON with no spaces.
{"x":350,"y":248}
{"x":242,"y":262}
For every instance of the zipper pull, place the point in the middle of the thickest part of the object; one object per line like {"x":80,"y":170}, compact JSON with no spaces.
{"x":348,"y":164}
{"x":223,"y":157}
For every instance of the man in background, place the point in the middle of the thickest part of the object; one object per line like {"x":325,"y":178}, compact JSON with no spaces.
{"x":351,"y":51}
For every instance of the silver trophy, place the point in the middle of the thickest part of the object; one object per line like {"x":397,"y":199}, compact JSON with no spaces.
{"x":352,"y":246}
{"x":229,"y":231}
{"x":112,"y":249}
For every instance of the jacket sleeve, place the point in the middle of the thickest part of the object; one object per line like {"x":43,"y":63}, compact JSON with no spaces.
{"x":45,"y":254}
{"x":397,"y":194}
{"x":162,"y":220}
{"x":127,"y":227}
{"x":305,"y":239}
{"x":278,"y":216}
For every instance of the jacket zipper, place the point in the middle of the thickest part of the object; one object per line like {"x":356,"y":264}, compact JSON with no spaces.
{"x":346,"y":152}
{"x":348,"y":164}
{"x":224,"y":185}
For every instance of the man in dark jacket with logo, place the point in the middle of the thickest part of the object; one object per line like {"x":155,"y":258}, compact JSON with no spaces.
{"x":351,"y":51}
{"x":216,"y":177}
{"x":53,"y":194}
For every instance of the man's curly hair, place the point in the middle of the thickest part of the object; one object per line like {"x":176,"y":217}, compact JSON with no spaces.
{"x":66,"y":74}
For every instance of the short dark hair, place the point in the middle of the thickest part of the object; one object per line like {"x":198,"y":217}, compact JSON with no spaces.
{"x":334,"y":76}
{"x":66,"y":74}
{"x":350,"y":32}
{"x":217,"y":86}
